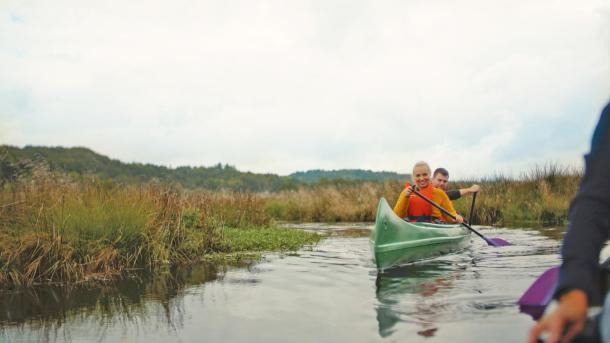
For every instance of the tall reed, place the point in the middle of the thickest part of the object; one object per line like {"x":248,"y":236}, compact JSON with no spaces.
{"x":331,"y":203}
{"x":56,"y":229}
{"x":541,"y":195}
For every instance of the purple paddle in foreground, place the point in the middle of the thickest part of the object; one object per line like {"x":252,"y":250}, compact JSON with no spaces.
{"x":496,"y":242}
{"x":540,"y":293}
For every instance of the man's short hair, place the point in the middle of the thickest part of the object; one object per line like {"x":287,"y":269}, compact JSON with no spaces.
{"x":441,"y":171}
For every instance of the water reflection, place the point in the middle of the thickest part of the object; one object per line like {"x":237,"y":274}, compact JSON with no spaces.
{"x":425,"y":281}
{"x":50,"y":306}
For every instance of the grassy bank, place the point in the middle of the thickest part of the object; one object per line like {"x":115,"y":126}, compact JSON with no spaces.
{"x":55,"y":229}
{"x":541,"y":196}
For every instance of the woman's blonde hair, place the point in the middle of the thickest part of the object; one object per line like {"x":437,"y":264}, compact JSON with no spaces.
{"x":422,"y":164}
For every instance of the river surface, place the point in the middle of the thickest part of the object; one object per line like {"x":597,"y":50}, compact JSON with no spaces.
{"x":327,"y":293}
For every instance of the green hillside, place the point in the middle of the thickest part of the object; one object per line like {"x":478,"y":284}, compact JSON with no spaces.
{"x":84,"y":161}
{"x":316,"y":175}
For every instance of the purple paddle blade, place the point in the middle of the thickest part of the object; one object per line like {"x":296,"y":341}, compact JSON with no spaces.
{"x":535,"y":312}
{"x":541,"y":291}
{"x":497,"y":242}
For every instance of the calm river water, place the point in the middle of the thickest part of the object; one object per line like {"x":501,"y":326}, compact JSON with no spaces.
{"x":327,"y":293}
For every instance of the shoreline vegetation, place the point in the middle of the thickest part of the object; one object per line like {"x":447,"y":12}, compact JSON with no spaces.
{"x":538,"y":197}
{"x":54,"y":229}
{"x":66,"y":228}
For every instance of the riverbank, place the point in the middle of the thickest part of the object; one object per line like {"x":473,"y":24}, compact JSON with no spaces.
{"x":55,"y":229}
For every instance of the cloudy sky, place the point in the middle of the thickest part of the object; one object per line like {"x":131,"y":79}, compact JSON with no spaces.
{"x":476,"y":86}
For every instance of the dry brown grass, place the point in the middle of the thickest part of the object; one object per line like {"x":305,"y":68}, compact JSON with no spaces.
{"x":540,"y":196}
{"x":54,"y":229}
{"x":331,"y":203}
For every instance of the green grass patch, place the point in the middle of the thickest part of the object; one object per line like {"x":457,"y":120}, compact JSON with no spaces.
{"x":260,"y":239}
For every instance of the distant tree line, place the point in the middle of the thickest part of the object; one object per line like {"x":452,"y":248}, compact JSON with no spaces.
{"x":15,"y":161}
{"x":316,"y":175}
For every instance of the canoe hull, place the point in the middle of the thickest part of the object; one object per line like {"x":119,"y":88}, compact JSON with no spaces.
{"x":395,"y":242}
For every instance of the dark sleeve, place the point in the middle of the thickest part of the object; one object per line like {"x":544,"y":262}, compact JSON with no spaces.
{"x":454,"y":194}
{"x":589,"y":218}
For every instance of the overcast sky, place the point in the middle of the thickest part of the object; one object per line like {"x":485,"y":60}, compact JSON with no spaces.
{"x":280,"y":86}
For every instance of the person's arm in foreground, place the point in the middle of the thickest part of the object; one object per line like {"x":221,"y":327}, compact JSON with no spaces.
{"x":588,"y":230}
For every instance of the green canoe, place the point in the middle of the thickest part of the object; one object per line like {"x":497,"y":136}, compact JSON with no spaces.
{"x":395,"y":241}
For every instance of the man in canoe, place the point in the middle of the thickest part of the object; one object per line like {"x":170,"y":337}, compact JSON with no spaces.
{"x":412,"y":207}
{"x":588,"y":230}
{"x":440,"y":177}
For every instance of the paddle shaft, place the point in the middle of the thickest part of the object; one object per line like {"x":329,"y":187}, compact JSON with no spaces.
{"x":474,"y":197}
{"x":450,"y":215}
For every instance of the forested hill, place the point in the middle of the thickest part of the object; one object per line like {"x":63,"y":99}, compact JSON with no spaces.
{"x":83,"y":161}
{"x":347,"y":174}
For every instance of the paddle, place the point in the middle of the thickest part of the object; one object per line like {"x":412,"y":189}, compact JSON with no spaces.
{"x":496,"y":242}
{"x":540,"y":293}
{"x":474,"y":197}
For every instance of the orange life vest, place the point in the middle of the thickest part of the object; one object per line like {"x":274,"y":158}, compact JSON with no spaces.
{"x":419,"y":207}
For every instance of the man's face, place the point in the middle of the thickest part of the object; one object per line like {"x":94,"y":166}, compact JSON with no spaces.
{"x":440,"y":181}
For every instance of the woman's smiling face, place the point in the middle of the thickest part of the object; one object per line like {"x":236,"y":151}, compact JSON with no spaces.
{"x":421,"y":176}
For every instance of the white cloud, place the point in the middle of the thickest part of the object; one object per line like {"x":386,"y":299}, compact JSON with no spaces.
{"x":273,"y":86}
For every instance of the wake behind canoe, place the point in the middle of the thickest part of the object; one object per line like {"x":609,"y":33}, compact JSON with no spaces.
{"x":395,"y":241}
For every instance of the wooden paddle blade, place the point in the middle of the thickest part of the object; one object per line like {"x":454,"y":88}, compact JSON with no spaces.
{"x":541,"y":291}
{"x":497,"y":242}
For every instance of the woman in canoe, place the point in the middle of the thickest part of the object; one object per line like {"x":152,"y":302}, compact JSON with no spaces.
{"x":413,"y":208}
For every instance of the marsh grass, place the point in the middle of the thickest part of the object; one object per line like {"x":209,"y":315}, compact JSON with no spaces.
{"x":331,"y":203}
{"x":54,"y":229}
{"x":541,"y":196}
